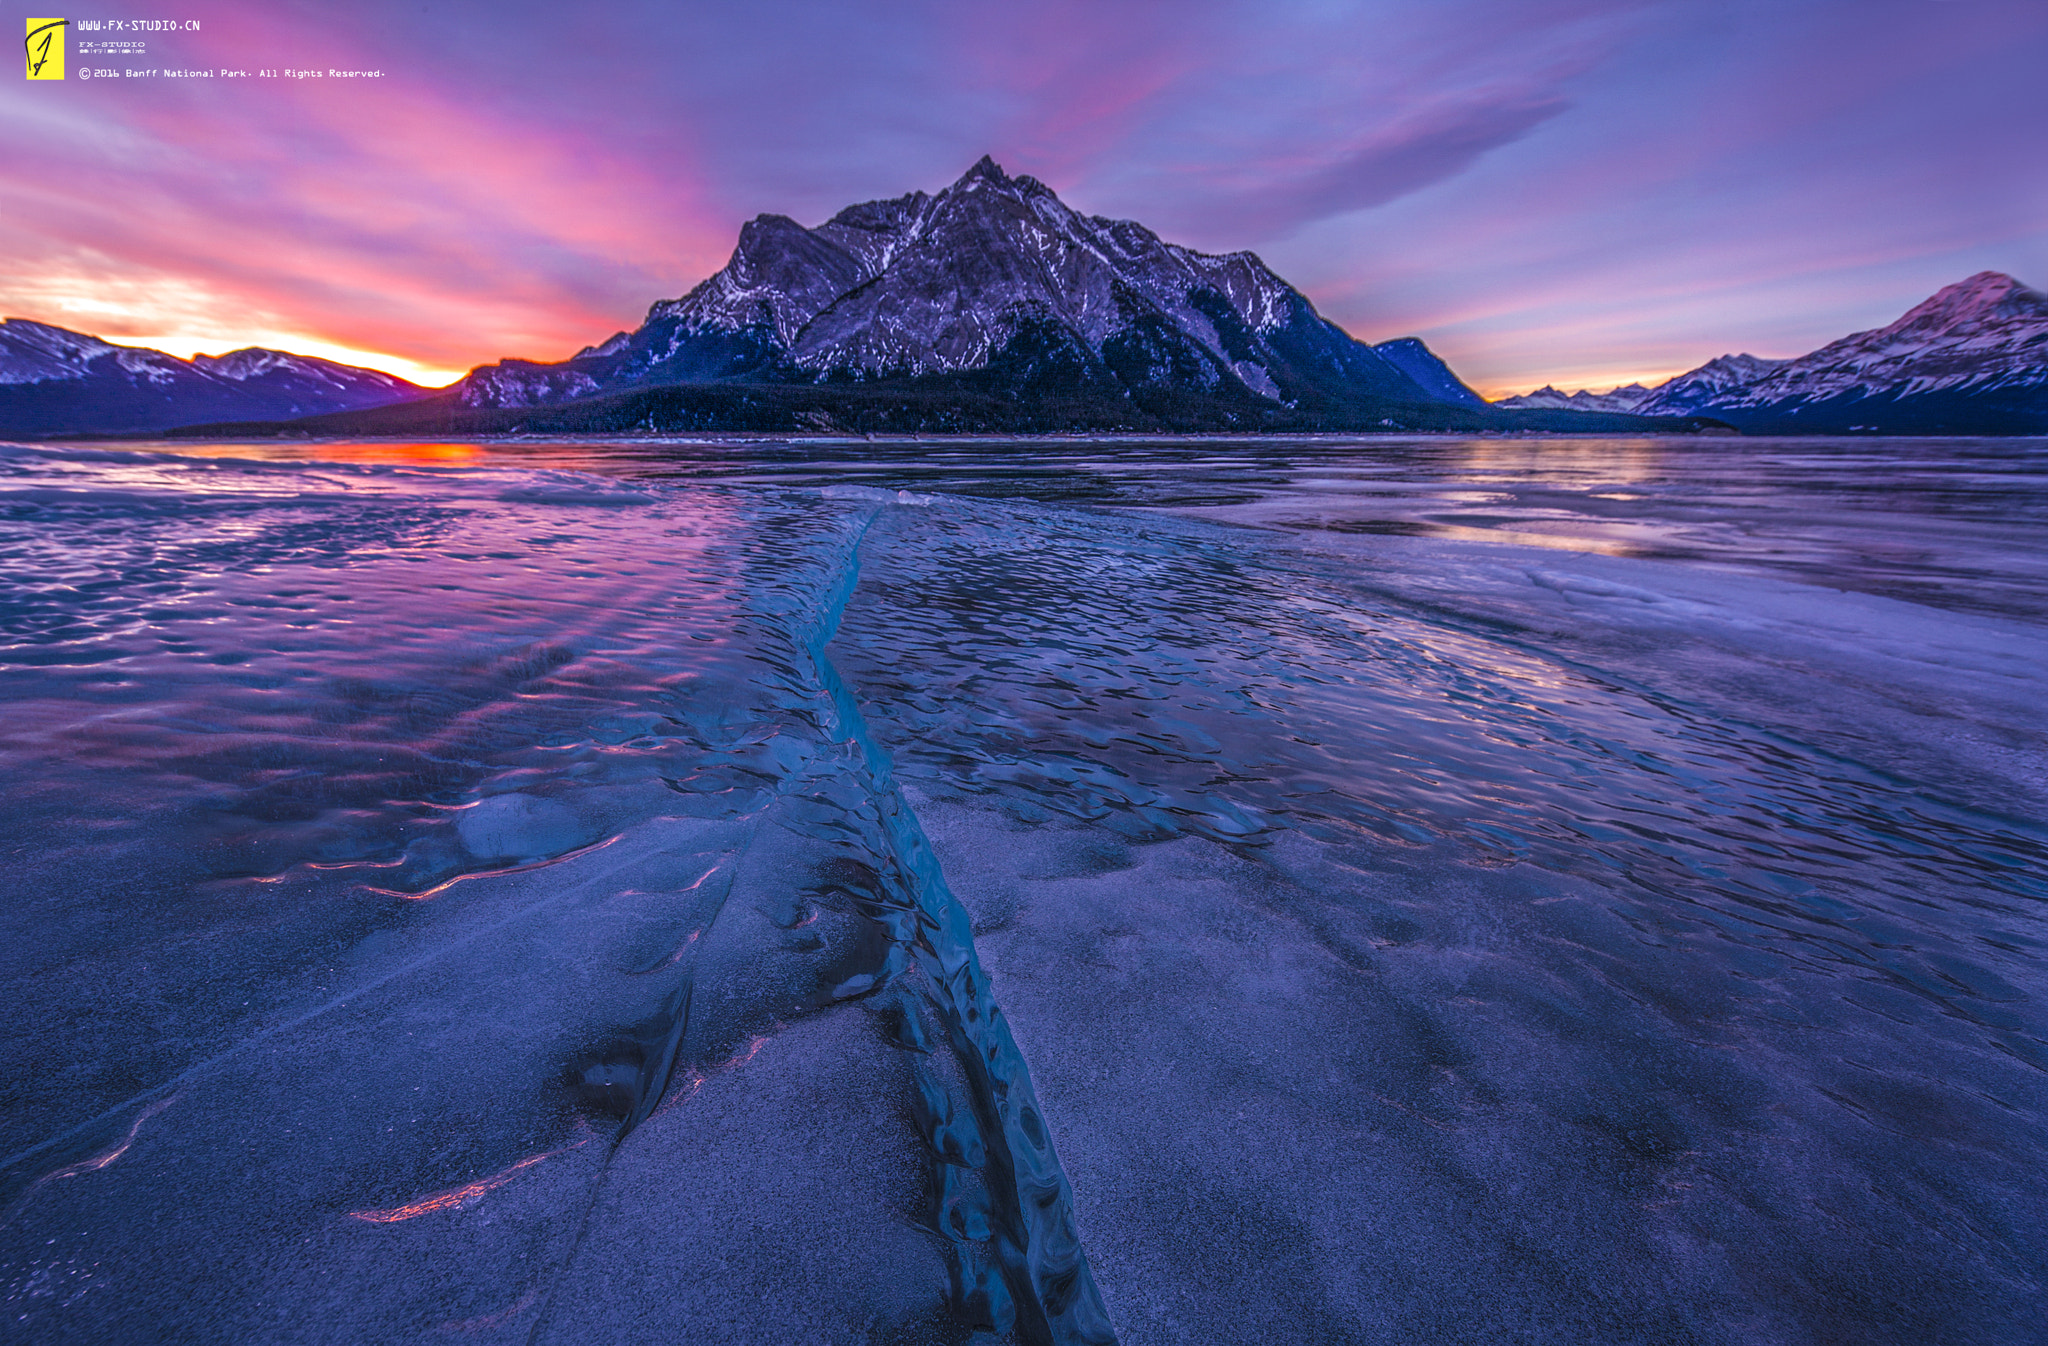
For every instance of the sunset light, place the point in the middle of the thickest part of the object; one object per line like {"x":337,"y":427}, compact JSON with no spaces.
{"x":461,"y":209}
{"x":1058,"y":673}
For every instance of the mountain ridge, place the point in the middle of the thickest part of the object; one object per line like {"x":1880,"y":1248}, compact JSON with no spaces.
{"x":55,"y":380}
{"x":1970,"y":359}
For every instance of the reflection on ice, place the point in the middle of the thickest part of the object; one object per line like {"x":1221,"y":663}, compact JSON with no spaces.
{"x":786,"y":907}
{"x":455,"y":1198}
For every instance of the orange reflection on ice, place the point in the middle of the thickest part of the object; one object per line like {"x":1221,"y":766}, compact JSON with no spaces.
{"x":1566,"y":459}
{"x":108,"y":1156}
{"x":456,"y":1197}
{"x":693,"y":1080}
{"x":446,"y":884}
{"x":418,"y":455}
{"x":92,"y":1165}
{"x":409,"y":453}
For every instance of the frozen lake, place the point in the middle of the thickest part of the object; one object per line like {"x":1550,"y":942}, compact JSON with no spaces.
{"x":1164,"y":891}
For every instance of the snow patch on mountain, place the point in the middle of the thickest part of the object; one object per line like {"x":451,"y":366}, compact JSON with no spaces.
{"x":1709,"y":383}
{"x":309,"y":372}
{"x":518,"y":384}
{"x":31,"y":352}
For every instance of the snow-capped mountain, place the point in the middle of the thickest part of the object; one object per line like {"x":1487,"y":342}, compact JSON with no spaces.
{"x":993,"y":275}
{"x":1623,"y":399}
{"x":1983,"y":341}
{"x":56,"y":381}
{"x":1708,"y":384}
{"x":1973,"y":359}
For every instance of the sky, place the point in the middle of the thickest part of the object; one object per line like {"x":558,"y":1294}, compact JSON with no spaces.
{"x":1576,"y":192}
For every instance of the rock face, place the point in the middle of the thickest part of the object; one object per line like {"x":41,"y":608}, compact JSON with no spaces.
{"x":1973,"y":359}
{"x":55,"y":381}
{"x":993,"y":275}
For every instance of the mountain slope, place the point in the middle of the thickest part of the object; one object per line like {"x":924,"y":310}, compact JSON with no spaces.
{"x":56,"y":381}
{"x":1428,"y":370}
{"x":1709,"y":384}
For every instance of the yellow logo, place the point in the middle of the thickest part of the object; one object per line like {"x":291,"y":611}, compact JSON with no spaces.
{"x":45,"y":47}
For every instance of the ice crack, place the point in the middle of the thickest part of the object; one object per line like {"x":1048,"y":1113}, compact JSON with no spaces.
{"x":1040,"y":1278}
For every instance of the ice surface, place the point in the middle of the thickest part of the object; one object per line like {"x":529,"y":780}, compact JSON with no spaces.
{"x":506,"y":902}
{"x":386,"y":834}
{"x":1543,"y":969}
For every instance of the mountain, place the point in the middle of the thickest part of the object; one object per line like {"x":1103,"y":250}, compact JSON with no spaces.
{"x":1970,"y":360}
{"x":1625,"y":399}
{"x":55,"y":381}
{"x":991,"y":305}
{"x":993,"y":273}
{"x":1973,"y":359}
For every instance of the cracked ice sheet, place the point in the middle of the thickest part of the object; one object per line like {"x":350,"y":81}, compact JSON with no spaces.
{"x":369,"y":828}
{"x":1357,"y":995}
{"x":408,"y":1163}
{"x":1595,"y":978}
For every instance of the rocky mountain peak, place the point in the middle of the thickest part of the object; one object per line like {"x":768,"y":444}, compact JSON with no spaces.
{"x":1427,"y":369}
{"x":252,"y":361}
{"x":1988,"y":295}
{"x":32,"y":351}
{"x":985,"y":169}
{"x":279,"y":367}
{"x":992,"y":271}
{"x":1721,"y":373}
{"x":1623,"y":399}
{"x":1742,"y":366}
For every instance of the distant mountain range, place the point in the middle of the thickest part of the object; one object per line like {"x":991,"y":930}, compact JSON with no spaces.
{"x":54,"y":381}
{"x":994,"y":307}
{"x":1971,"y":360}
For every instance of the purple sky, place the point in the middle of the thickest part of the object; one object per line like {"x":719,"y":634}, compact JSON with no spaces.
{"x":1574,"y":191}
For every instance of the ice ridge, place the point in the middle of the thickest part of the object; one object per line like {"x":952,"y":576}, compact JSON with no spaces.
{"x":1040,"y":1277}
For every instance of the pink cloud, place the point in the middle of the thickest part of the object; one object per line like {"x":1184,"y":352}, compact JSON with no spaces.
{"x":1566,"y":179}
{"x":392,"y":215}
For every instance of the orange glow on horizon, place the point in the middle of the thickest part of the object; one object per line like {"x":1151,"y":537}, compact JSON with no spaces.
{"x":185,"y":345}
{"x":1597,"y":380}
{"x":402,"y":455}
